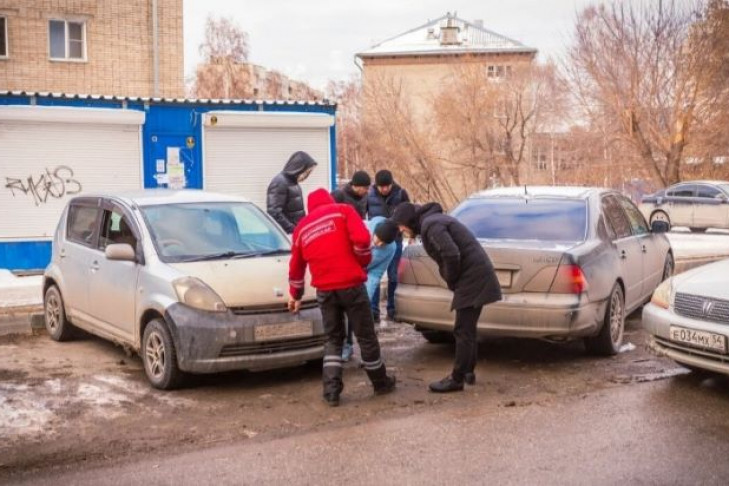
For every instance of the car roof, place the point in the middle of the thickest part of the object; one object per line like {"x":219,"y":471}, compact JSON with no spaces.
{"x":153,"y":197}
{"x":715,"y":182}
{"x":571,"y":192}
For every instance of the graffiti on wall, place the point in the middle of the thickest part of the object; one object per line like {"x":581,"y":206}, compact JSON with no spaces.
{"x":50,"y":184}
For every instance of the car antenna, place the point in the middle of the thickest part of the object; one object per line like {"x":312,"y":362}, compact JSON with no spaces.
{"x":526,"y":194}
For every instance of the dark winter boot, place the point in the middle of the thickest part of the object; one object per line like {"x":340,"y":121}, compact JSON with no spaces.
{"x":446,"y":385}
{"x":387,"y":386}
{"x":332,"y":399}
{"x":380,"y":381}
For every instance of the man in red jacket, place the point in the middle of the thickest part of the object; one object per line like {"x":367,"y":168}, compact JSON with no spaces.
{"x":334,"y":242}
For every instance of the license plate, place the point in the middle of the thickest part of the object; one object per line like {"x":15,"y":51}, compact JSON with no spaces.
{"x":700,"y":339}
{"x":504,"y":277}
{"x":287,"y":330}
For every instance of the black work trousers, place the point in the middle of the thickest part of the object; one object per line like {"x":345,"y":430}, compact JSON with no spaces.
{"x":466,"y":341}
{"x":355,"y":305}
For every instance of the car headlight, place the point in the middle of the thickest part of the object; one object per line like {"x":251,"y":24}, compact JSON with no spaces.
{"x":662,"y":295}
{"x":193,"y":292}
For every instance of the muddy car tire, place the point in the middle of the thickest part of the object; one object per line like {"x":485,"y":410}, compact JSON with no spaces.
{"x":438,"y":337}
{"x":54,"y":311}
{"x":610,"y":338}
{"x":698,"y":230}
{"x":668,"y":268}
{"x":160,"y":357}
{"x":660,"y":216}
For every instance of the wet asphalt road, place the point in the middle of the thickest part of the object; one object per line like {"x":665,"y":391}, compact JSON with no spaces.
{"x":539,"y":414}
{"x":664,"y":432}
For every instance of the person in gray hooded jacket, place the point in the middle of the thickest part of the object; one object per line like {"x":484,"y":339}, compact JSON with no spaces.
{"x":285,"y":202}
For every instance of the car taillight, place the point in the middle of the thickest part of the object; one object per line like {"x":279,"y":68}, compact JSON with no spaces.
{"x":570,"y":280}
{"x":402,"y":267}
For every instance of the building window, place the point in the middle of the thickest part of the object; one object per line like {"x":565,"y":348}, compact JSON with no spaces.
{"x":541,"y":162}
{"x":67,"y":40}
{"x":498,"y":71}
{"x":3,"y":37}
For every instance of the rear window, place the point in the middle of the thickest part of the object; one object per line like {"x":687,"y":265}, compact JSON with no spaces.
{"x":522,"y":219}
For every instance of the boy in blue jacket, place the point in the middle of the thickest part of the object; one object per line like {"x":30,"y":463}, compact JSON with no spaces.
{"x":383,"y":233}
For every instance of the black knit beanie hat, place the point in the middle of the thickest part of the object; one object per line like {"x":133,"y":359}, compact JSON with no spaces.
{"x":405,"y":214}
{"x":387,"y":231}
{"x":383,"y":178}
{"x":361,"y":179}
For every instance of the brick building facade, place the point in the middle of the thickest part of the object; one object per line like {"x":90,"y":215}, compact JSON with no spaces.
{"x":105,"y":47}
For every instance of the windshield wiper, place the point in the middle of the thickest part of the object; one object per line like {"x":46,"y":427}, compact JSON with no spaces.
{"x":221,"y":256}
{"x":279,"y":251}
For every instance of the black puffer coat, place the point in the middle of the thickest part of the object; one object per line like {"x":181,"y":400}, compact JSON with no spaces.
{"x":285,"y":203}
{"x":461,"y":259}
{"x":346,"y":195}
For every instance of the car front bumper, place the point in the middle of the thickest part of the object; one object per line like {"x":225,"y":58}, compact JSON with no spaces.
{"x":208,"y":342}
{"x":657,"y":321}
{"x":528,"y":315}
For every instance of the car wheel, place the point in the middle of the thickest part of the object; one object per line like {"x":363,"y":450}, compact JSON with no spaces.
{"x":160,"y":357}
{"x":698,"y":230}
{"x":54,"y":310}
{"x":660,"y":216}
{"x":610,"y":338}
{"x":438,"y":337}
{"x":668,"y":268}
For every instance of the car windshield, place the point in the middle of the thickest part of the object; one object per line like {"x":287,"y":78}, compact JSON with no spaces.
{"x":212,"y":231}
{"x":514,"y":218}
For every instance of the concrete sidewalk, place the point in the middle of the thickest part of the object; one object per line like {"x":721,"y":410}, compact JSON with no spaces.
{"x":21,"y":297}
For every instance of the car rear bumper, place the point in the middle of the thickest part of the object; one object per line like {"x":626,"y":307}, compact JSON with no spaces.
{"x":530,"y":315}
{"x":657,"y":321}
{"x":209,"y":342}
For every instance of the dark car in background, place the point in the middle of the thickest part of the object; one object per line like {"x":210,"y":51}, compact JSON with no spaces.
{"x":572,"y":263}
{"x":700,"y":205}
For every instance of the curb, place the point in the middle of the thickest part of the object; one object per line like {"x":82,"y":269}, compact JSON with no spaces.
{"x":21,"y":320}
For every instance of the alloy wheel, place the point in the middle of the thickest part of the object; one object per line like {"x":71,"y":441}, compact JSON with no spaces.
{"x":155,"y":352}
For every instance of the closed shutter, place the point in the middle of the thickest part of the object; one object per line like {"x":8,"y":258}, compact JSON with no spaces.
{"x":244,"y":151}
{"x":51,"y":154}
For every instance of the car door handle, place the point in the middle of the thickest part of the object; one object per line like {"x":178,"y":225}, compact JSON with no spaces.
{"x":623,"y":255}
{"x":62,"y":254}
{"x":95,"y":266}
{"x":645,"y":250}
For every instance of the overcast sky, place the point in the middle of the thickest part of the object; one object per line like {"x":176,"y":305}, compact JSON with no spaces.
{"x":315,"y":40}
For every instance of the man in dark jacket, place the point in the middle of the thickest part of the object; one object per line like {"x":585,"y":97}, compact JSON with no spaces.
{"x":354,"y":192}
{"x":285,"y":202}
{"x":334,"y":243}
{"x":467,"y":271}
{"x":382,"y":200}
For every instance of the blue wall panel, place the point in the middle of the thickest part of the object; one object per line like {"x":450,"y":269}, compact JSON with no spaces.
{"x":25,"y":255}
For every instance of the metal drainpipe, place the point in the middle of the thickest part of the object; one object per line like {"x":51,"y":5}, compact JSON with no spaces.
{"x":155,"y":48}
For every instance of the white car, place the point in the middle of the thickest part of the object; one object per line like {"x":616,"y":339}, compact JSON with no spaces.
{"x":688,"y":318}
{"x":194,"y":282}
{"x":700,"y":205}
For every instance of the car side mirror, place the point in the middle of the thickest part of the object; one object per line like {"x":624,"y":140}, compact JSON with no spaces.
{"x":120,"y":252}
{"x":660,"y":227}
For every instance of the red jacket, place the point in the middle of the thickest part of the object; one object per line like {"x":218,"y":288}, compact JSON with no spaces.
{"x":333,"y":240}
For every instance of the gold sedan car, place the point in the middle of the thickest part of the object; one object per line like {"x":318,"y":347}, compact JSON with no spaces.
{"x":572,"y":263}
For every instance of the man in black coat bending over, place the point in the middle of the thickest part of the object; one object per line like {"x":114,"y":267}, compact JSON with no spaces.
{"x":467,"y":271}
{"x":284,"y":201}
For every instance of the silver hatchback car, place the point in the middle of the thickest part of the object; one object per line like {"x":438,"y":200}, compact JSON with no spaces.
{"x":194,"y":282}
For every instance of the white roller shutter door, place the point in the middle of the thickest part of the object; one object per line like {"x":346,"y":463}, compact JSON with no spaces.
{"x":49,"y":154}
{"x":244,"y":150}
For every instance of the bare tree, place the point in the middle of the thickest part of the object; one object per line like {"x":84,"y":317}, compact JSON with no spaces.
{"x":644,"y":68}
{"x":490,"y":121}
{"x":222,"y":74}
